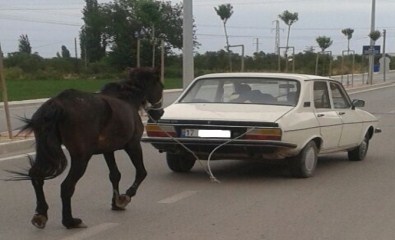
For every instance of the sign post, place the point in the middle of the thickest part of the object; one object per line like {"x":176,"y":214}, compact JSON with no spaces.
{"x":371,"y":52}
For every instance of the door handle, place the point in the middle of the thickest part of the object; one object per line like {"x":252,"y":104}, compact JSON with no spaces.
{"x":341,"y":113}
{"x":320,"y":115}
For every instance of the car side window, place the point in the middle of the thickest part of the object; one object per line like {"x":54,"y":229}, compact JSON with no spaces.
{"x":321,"y":95}
{"x":339,"y":98}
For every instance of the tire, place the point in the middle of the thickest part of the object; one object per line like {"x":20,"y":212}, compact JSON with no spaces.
{"x":180,"y":162}
{"x":304,"y":164}
{"x":359,"y":153}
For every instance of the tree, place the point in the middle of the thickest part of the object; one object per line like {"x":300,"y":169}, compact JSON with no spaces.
{"x":65,"y":52}
{"x":348,"y":33}
{"x":24,"y":44}
{"x":324,"y":42}
{"x":225,"y":11}
{"x":93,"y":37}
{"x":130,"y":20}
{"x":149,"y":12}
{"x":289,"y":19}
{"x":374,"y":35}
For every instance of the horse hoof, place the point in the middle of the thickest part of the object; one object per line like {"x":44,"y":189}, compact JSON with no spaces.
{"x":116,"y":208}
{"x":39,"y":221}
{"x":122,"y":201}
{"x":74,"y":223}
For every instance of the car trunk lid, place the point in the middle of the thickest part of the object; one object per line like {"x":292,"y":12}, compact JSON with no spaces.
{"x":245,"y":113}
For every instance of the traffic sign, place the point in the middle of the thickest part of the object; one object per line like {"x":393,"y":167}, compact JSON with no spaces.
{"x":367,"y":51}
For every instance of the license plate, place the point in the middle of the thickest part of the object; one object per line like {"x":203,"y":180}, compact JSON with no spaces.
{"x":205,"y":133}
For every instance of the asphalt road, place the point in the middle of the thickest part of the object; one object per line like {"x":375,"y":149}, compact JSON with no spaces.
{"x":344,"y":200}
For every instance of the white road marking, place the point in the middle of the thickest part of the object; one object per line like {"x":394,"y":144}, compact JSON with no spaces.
{"x":178,"y":197}
{"x":25,"y":155}
{"x":91,"y":231}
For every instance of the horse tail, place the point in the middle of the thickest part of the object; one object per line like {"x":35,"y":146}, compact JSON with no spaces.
{"x":50,"y":160}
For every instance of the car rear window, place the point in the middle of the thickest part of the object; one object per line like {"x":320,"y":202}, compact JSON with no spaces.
{"x":243,"y":91}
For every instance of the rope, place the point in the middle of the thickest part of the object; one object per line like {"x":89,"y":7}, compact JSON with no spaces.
{"x":208,"y":168}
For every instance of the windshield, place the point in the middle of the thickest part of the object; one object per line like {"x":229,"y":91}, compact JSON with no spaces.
{"x":244,"y":91}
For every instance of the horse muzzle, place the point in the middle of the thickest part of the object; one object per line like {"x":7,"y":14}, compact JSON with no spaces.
{"x":155,"y":111}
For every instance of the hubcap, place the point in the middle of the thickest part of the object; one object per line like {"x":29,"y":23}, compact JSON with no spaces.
{"x":310,"y":159}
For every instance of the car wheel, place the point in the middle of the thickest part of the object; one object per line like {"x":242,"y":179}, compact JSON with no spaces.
{"x":303,"y":165}
{"x":180,"y":162}
{"x":359,"y":153}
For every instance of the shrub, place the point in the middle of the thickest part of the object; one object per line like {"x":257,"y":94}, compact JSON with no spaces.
{"x":14,"y":73}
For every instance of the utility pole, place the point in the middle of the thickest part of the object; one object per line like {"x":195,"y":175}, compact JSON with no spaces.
{"x":371,"y":55}
{"x":162,"y":61}
{"x":384,"y":55}
{"x":138,"y":53}
{"x":75,"y":48}
{"x":277,"y":37}
{"x":256,"y":45}
{"x":187,"y":43}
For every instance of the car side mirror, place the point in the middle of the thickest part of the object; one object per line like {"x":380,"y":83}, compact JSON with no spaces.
{"x":358,"y":103}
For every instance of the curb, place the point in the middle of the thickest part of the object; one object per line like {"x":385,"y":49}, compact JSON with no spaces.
{"x":361,"y":88}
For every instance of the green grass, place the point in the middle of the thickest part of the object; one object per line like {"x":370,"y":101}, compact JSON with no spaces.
{"x":33,"y":89}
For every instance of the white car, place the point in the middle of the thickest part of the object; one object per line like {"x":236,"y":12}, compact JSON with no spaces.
{"x":258,"y":116}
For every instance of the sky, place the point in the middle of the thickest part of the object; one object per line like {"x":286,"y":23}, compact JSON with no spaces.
{"x":50,"y":24}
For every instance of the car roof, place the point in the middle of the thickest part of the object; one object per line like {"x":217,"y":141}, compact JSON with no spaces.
{"x":293,"y":76}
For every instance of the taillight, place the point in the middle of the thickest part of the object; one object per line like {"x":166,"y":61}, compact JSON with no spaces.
{"x":264,"y":134}
{"x":154,"y":130}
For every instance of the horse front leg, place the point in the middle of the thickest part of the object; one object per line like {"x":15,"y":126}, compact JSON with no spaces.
{"x":136,"y":155}
{"x":77,"y":170}
{"x":118,"y":202}
{"x":40,"y":218}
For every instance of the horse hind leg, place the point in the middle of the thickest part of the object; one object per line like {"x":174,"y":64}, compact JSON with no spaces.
{"x":118,"y":202}
{"x":136,"y":155}
{"x":40,"y":218}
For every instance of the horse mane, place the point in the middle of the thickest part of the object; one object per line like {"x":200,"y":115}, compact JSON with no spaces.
{"x":132,"y":89}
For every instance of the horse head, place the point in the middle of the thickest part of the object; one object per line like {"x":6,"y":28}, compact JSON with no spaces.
{"x":149,"y":80}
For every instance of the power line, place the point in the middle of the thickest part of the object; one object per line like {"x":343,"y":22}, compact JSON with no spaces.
{"x":268,"y":2}
{"x":39,"y":9}
{"x":24,"y":19}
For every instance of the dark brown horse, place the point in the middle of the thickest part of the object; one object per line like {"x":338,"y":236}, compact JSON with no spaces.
{"x":88,"y":124}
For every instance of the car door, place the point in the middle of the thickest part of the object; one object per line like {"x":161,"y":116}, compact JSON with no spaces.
{"x":329,"y":121}
{"x":352,"y":124}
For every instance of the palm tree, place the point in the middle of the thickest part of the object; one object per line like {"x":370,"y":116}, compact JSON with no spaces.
{"x":348,"y":33}
{"x":225,"y":11}
{"x":289,"y":19}
{"x":324,"y":42}
{"x":375,"y":35}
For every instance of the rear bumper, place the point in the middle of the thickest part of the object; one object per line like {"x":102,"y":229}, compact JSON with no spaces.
{"x":224,"y":148}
